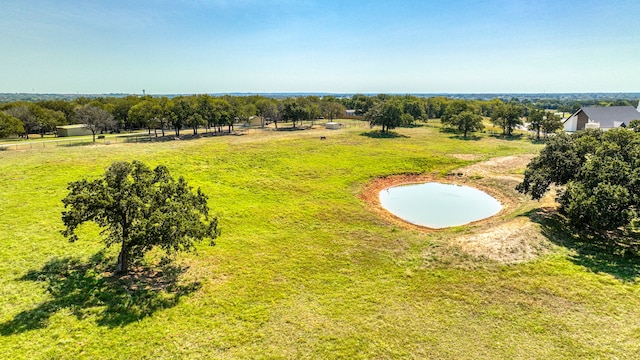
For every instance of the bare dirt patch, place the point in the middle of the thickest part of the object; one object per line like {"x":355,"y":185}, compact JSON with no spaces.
{"x":514,"y":241}
{"x":497,"y":166}
{"x":502,"y":237}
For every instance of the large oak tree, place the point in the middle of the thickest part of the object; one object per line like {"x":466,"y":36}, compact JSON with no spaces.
{"x":138,"y":209}
{"x":598,"y":174}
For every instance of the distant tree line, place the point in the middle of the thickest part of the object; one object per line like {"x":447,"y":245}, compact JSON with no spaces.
{"x":222,"y":113}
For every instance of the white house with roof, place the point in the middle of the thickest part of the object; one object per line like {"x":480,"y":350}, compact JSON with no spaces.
{"x":598,"y":117}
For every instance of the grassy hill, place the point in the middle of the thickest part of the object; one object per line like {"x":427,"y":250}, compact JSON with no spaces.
{"x":303,"y":269}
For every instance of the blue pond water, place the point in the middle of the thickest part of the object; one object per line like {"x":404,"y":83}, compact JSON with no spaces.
{"x":437,"y":205}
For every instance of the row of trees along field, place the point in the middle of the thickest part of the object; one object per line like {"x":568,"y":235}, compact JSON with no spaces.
{"x":115,"y":114}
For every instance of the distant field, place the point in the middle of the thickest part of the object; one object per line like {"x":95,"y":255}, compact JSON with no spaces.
{"x":304,"y":268}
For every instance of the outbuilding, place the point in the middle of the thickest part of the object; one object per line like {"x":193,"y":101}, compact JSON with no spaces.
{"x":333,"y":125}
{"x":72,"y":130}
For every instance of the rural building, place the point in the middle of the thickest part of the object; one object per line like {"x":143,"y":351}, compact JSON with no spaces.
{"x":255,"y":121}
{"x":72,"y":130}
{"x":350,"y":112}
{"x":597,"y":117}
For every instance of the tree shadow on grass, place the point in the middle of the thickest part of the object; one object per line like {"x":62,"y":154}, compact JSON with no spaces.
{"x":86,"y":288}
{"x":616,"y":254}
{"x":378,"y":134}
{"x":468,"y":138}
{"x":512,"y":137}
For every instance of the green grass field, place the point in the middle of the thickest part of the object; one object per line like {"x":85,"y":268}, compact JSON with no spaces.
{"x":303,"y":268}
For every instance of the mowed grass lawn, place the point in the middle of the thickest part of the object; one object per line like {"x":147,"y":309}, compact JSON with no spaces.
{"x":303,"y":268}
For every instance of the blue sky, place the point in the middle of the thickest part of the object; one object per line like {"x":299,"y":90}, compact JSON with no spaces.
{"x":211,"y":46}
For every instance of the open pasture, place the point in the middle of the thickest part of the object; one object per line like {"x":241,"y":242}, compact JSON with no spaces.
{"x":304,"y":268}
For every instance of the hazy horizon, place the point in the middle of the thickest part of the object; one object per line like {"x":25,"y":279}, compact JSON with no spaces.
{"x":287,"y":46}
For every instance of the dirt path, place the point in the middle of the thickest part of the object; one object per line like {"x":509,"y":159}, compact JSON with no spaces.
{"x":502,"y":237}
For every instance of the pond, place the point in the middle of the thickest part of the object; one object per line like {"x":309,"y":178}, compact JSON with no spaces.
{"x":437,"y":205}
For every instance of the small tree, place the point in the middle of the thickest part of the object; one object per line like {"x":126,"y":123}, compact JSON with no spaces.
{"x":293,"y":111}
{"x":386,"y":113}
{"x":10,"y":125}
{"x":267,"y":110}
{"x":551,"y":123}
{"x":507,"y":117}
{"x":195,"y":121}
{"x":30,"y":122}
{"x":454,"y":108}
{"x":414,"y":107}
{"x":94,"y":118}
{"x":406,"y":119}
{"x":466,"y":122}
{"x":333,"y":110}
{"x":139,"y":209}
{"x":536,"y":118}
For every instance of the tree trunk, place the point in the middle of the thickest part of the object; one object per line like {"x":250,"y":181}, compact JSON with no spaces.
{"x":123,"y":261}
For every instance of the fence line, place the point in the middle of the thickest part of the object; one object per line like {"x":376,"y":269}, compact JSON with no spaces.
{"x":145,"y":137}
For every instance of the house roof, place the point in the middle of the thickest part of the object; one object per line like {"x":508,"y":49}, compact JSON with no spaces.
{"x":611,"y":116}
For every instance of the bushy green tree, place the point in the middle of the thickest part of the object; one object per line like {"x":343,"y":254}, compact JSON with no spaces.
{"x":139,"y":208}
{"x":293,"y":111}
{"x":333,"y":109}
{"x":536,"y":118}
{"x":551,"y":123}
{"x":507,"y":116}
{"x":465,"y":121}
{"x":362,"y":103}
{"x":454,"y":108}
{"x":149,"y":113}
{"x":30,"y":121}
{"x":599,"y":175}
{"x":406,"y":120}
{"x":414,"y":106}
{"x":267,"y":109}
{"x":223,"y":113}
{"x":9,"y":125}
{"x":387,"y":114}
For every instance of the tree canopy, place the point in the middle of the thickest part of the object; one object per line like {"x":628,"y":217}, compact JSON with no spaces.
{"x":536,"y":118}
{"x":139,"y":209}
{"x":94,"y":119}
{"x":387,"y":113}
{"x":599,"y":175}
{"x":507,"y":116}
{"x":215,"y":112}
{"x":10,"y":125}
{"x":466,"y":121}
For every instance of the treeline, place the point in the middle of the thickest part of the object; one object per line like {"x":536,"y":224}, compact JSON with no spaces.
{"x":222,"y":113}
{"x":112,"y":114}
